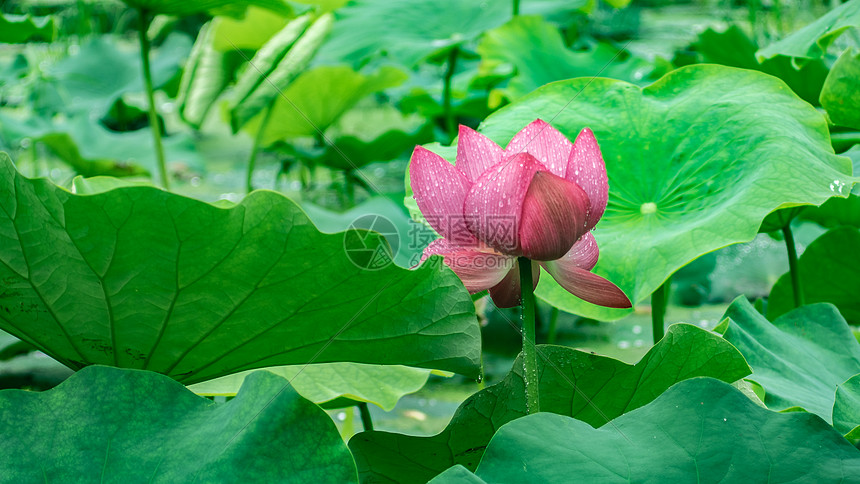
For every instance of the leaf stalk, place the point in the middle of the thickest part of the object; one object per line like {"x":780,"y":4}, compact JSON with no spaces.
{"x":447,"y":109}
{"x":530,"y":371}
{"x":145,"y":20}
{"x":658,"y":311}
{"x":792,"y":265}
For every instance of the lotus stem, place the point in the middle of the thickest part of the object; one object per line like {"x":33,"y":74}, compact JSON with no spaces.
{"x":450,"y":124}
{"x":516,"y":7}
{"x":792,"y":265}
{"x":366,"y":420}
{"x":145,"y":20}
{"x":258,"y":140}
{"x":658,"y":312}
{"x":845,"y":140}
{"x":530,"y":371}
{"x":553,"y":326}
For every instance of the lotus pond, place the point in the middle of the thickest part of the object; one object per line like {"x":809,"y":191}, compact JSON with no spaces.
{"x":409,"y":241}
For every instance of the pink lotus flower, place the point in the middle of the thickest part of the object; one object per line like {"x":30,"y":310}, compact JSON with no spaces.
{"x":538,"y":198}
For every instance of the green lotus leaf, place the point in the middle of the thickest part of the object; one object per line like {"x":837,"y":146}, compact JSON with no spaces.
{"x":91,"y":150}
{"x":734,"y":48}
{"x":100,"y":73}
{"x":112,"y":425}
{"x":826,"y":275}
{"x":408,"y":31}
{"x":140,"y":278}
{"x":232,"y":8}
{"x":373,"y":132}
{"x":18,"y":29}
{"x":247,"y":33}
{"x":536,"y":51}
{"x":799,"y":359}
{"x":318,"y":97}
{"x":812,"y":41}
{"x":689,"y":172}
{"x":841,"y":93}
{"x":846,"y":408}
{"x":382,"y":386}
{"x":700,"y":430}
{"x":379,"y":214}
{"x":586,"y":386}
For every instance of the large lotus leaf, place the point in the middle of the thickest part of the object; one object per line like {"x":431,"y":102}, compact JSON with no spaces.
{"x":409,"y":31}
{"x":734,"y":48}
{"x":800,"y":358}
{"x":537,"y":52}
{"x":841,"y":93}
{"x":92,"y":150}
{"x":318,"y":97}
{"x":94,"y":78}
{"x":826,"y":273}
{"x":137,"y":277}
{"x":111,"y":425}
{"x":700,"y":430}
{"x":371,"y":132}
{"x":381,"y":215}
{"x":812,"y":41}
{"x":586,"y":386}
{"x":233,"y":8}
{"x":381,"y":385}
{"x":689,"y":172}
{"x":846,"y":408}
{"x":18,"y":29}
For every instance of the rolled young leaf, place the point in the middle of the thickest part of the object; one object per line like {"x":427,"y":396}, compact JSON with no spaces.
{"x":275,"y":65}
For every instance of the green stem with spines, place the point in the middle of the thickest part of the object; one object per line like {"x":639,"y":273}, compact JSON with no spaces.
{"x":530,"y":370}
{"x":658,"y":312}
{"x":792,"y":265}
{"x":258,"y":140}
{"x":447,"y":109}
{"x":145,"y":20}
{"x":516,"y":10}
